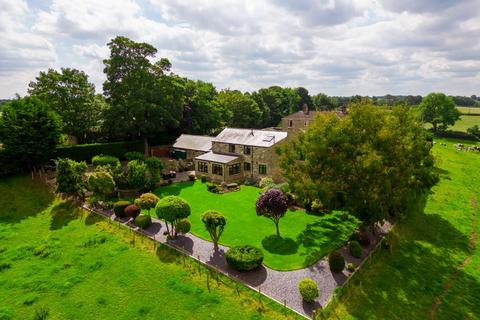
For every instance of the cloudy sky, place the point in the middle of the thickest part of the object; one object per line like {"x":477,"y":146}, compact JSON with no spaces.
{"x":340,"y":47}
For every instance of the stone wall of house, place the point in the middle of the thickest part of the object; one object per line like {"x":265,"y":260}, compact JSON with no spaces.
{"x":297,"y":124}
{"x":226,"y":177}
{"x":258,"y":156}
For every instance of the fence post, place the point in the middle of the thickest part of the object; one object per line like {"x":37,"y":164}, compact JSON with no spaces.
{"x":208,"y":281}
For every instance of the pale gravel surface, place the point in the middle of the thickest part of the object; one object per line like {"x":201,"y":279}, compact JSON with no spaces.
{"x":280,"y":285}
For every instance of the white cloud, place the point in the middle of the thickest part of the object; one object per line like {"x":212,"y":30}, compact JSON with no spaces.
{"x":340,"y":47}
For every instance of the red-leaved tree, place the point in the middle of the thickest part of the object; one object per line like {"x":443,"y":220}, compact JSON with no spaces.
{"x":273,"y":205}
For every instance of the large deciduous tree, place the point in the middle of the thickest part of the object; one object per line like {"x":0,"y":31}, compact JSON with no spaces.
{"x":69,"y":94}
{"x":202,"y":114}
{"x":374,"y":162}
{"x":29,"y":131}
{"x":239,"y":109}
{"x":145,"y":99}
{"x":273,"y":205}
{"x":276,"y":102}
{"x":215,"y":224}
{"x":439,"y":110}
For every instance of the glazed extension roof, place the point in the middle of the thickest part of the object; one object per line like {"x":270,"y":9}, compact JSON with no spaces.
{"x":193,"y":142}
{"x":250,"y":137}
{"x":216,"y":157}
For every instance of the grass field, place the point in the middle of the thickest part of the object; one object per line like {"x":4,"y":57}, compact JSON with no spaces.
{"x":433,"y":271}
{"x":62,"y":262}
{"x":305,"y":237}
{"x":466,"y":122}
{"x":469,"y":110}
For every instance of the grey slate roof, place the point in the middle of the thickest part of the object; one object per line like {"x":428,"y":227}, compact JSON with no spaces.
{"x":250,"y":137}
{"x":216,"y":157}
{"x":193,"y":142}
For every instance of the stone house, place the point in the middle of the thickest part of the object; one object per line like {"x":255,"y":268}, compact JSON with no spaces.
{"x":300,"y":120}
{"x":240,"y":154}
{"x":188,"y":146}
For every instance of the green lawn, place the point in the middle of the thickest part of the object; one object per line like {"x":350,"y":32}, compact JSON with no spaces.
{"x":67,"y":263}
{"x":430,"y":255}
{"x":466,"y":122}
{"x":305,"y":237}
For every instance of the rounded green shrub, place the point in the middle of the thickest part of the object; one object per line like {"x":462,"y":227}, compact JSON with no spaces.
{"x":101,"y":184}
{"x":132,"y":211}
{"x":119,"y":207}
{"x":355,"y":249}
{"x":203,"y":178}
{"x":212,"y":187}
{"x":134,"y":155}
{"x":147,"y":201}
{"x":183,"y":226}
{"x":361,"y":236}
{"x":308,"y":289}
{"x":244,"y":258}
{"x":336,"y":261}
{"x":143,"y":221}
{"x":172,"y":209}
{"x":105,"y":160}
{"x":350,"y":267}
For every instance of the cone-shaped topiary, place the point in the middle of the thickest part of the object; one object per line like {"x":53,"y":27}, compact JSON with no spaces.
{"x":336,"y":261}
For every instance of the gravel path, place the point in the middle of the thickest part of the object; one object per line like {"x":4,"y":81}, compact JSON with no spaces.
{"x":280,"y":285}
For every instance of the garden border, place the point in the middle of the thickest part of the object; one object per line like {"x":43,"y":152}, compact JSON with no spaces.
{"x":206,"y":265}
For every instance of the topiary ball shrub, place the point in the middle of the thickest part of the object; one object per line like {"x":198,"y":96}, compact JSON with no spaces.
{"x":132,"y":211}
{"x":119,"y":207}
{"x":308,"y":289}
{"x":244,"y":258}
{"x":147,"y":201}
{"x":203,"y":178}
{"x":355,"y":249}
{"x":336,"y":261}
{"x":183,"y":226}
{"x":143,"y":221}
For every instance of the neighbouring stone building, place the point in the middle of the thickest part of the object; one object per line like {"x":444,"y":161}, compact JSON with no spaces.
{"x":239,"y":154}
{"x":188,"y":146}
{"x":300,"y":120}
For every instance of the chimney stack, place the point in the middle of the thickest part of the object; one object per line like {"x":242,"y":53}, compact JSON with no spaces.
{"x":305,"y":108}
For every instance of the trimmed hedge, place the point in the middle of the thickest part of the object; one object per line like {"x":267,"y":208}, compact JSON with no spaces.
{"x":85,"y":152}
{"x":134,"y":155}
{"x":244,"y":258}
{"x":336,"y":261}
{"x":308,"y":289}
{"x":355,"y":249}
{"x":143,"y":221}
{"x":119,"y":207}
{"x":105,"y":160}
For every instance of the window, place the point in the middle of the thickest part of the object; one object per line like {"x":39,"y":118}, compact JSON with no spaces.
{"x":231,"y":148}
{"x":247,"y":150}
{"x":290,"y":123}
{"x":217,"y":169}
{"x":234,"y":169}
{"x":203,"y":166}
{"x":247,"y":166}
{"x":262,"y":169}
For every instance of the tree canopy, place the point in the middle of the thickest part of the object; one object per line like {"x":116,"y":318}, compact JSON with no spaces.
{"x":372,"y":162}
{"x":29,"y":131}
{"x":69,"y":94}
{"x":240,"y":110}
{"x":273,"y":205}
{"x":144,"y":98}
{"x":439,"y":110}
